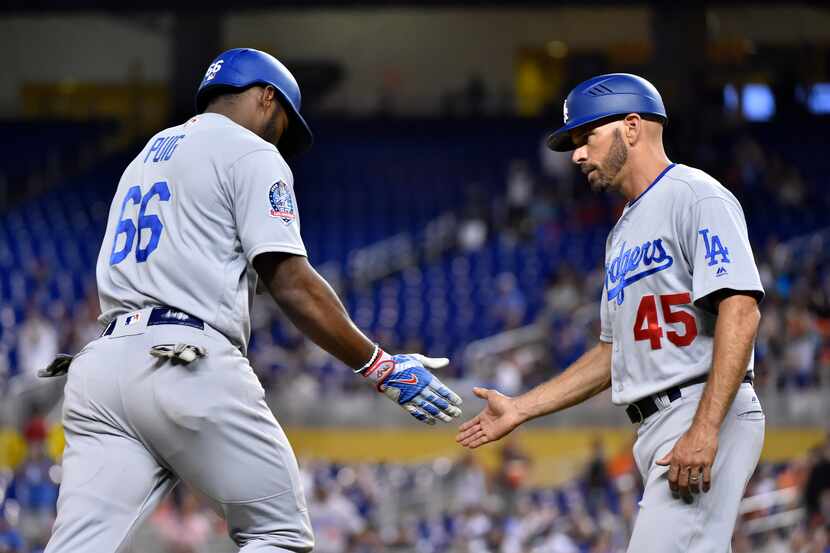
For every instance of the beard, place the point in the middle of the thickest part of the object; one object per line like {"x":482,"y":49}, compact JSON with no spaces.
{"x":605,"y":174}
{"x":270,"y":133}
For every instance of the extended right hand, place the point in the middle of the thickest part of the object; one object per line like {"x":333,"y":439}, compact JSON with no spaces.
{"x":495,"y":421}
{"x":406,"y":379}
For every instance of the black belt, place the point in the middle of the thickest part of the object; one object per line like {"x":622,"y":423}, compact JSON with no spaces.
{"x":161,"y":316}
{"x":644,"y":408}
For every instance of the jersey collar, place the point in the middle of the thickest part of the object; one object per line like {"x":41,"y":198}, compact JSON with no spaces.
{"x":650,"y":186}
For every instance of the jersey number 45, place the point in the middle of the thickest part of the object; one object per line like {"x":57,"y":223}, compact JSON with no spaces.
{"x":145,"y":222}
{"x":647,"y":326}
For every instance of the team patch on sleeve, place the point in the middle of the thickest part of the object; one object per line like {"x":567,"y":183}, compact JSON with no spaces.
{"x":282,"y":204}
{"x":716,"y":252}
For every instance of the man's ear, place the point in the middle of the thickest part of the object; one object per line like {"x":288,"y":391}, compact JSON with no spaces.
{"x":633,"y":128}
{"x":267,"y":96}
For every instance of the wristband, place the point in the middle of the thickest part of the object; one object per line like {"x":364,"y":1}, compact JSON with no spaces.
{"x":380,"y":369}
{"x":370,"y":361}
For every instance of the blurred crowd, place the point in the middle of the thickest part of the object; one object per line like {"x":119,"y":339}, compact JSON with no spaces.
{"x":455,"y":505}
{"x":552,"y":228}
{"x":446,"y":505}
{"x":793,"y":345}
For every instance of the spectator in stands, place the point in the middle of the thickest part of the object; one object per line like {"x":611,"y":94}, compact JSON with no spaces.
{"x":513,"y":473}
{"x":596,"y":474}
{"x":472,"y":234}
{"x":563,"y":292}
{"x":183,"y":524}
{"x":86,"y":327}
{"x":5,"y":369}
{"x":469,"y":482}
{"x":802,"y":346}
{"x":476,"y":95}
{"x":368,"y":541}
{"x":37,"y":342}
{"x":33,"y":487}
{"x":784,"y":181}
{"x":473,"y":222}
{"x":334,"y":518}
{"x":817,"y":489}
{"x":10,"y":539}
{"x":473,"y":527}
{"x":557,"y":167}
{"x":519,"y":197}
{"x":509,"y":305}
{"x":815,"y":540}
{"x":557,"y":539}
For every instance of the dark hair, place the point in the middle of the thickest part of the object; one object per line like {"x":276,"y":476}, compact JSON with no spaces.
{"x":219,"y":94}
{"x":227,"y":94}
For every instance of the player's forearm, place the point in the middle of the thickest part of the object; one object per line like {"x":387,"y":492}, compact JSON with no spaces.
{"x":314,"y":308}
{"x":735,"y":329}
{"x":585,"y":378}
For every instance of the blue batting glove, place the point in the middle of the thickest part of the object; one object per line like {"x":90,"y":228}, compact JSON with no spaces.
{"x":406,"y":380}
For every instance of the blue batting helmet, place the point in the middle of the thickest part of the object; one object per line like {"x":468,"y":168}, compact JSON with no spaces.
{"x":615,"y":94}
{"x":240,"y":68}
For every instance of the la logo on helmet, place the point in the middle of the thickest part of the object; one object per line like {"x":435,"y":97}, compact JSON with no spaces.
{"x":565,"y":111}
{"x":213,"y":70}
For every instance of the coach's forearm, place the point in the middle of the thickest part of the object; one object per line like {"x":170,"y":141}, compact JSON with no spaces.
{"x":585,"y":378}
{"x":735,"y":329}
{"x":311,"y":304}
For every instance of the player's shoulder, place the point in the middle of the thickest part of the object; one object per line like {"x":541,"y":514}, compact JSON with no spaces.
{"x":227,"y":136}
{"x":225,"y":142}
{"x":691,"y":185}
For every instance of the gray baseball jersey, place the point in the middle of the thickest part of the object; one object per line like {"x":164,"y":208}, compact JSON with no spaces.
{"x":190,"y":213}
{"x":682,"y":239}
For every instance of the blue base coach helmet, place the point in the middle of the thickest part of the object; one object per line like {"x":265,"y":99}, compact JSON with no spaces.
{"x":240,"y":68}
{"x":606,"y":96}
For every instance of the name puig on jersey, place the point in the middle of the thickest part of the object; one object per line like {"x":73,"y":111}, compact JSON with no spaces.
{"x":163,"y":147}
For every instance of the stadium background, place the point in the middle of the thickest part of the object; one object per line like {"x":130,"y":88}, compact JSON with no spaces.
{"x":431,"y":205}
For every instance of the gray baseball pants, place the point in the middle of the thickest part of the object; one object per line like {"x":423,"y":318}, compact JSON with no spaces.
{"x":668,"y":525}
{"x":135,"y":425}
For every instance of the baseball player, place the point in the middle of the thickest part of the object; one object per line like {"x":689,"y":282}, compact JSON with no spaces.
{"x":679,"y":314}
{"x":166,"y":393}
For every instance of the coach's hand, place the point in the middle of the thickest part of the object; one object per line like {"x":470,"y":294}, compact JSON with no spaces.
{"x":406,"y":380}
{"x":496,"y":420}
{"x":690,"y":462}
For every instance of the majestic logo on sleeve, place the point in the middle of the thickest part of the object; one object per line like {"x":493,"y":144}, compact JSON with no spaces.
{"x":282,"y":204}
{"x":624,"y":269}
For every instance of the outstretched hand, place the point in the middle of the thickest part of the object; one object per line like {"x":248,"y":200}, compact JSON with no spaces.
{"x":498,"y":418}
{"x":406,"y":379}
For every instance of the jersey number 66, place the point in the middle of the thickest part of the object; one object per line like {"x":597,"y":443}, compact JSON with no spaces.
{"x":150,"y":222}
